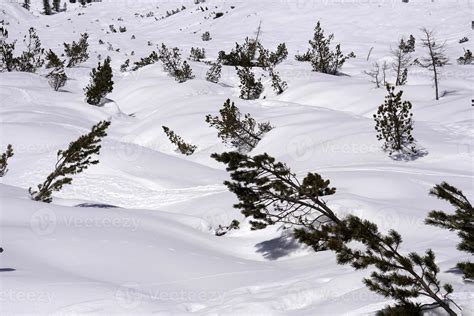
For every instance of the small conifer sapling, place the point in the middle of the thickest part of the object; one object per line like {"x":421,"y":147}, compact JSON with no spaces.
{"x":75,"y":159}
{"x":101,"y":83}
{"x":183,"y":147}
{"x":240,"y":131}
{"x":4,"y":160}
{"x":394,"y":124}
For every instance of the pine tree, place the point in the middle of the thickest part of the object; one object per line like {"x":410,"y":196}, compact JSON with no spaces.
{"x":243,"y":133}
{"x":320,"y":55}
{"x":184,"y":73}
{"x":466,"y":59}
{"x":269,"y":59}
{"x":269,"y":193}
{"x":125,"y":65}
{"x":4,"y":160}
{"x":74,"y":160}
{"x":52,"y":60}
{"x":278,"y":85}
{"x":397,"y":276}
{"x":77,"y":52}
{"x":197,"y":54}
{"x":206,"y":36}
{"x":101,"y":83}
{"x":250,"y":88}
{"x":436,"y":58}
{"x":242,"y":55}
{"x":214,"y":73}
{"x":26,"y":4}
{"x":394,"y":124}
{"x":151,"y":59}
{"x":57,"y":5}
{"x":57,"y":76}
{"x":182,"y":146}
{"x":31,"y":59}
{"x":46,"y":7}
{"x":462,"y":221}
{"x":172,"y":64}
{"x":8,"y":62}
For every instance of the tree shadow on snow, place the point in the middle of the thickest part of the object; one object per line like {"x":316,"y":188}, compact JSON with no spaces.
{"x":279,"y":247}
{"x":7,"y":269}
{"x":457,"y":271}
{"x":96,"y":205}
{"x":408,"y":155}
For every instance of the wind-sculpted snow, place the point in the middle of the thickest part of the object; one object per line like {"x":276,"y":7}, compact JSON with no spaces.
{"x":136,"y":233}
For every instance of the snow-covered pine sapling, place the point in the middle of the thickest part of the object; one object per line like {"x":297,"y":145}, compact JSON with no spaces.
{"x":172,"y":64}
{"x":77,"y":52}
{"x":4,"y":160}
{"x":402,"y":60}
{"x":57,"y":76}
{"x":268,"y":59}
{"x":394,"y":124}
{"x":466,"y":59}
{"x":214,"y":73}
{"x":462,"y":221}
{"x":101,"y":83}
{"x":150,"y":59}
{"x":250,"y":88}
{"x":320,"y":55}
{"x":185,"y":73}
{"x":183,"y":147}
{"x":32,"y":58}
{"x":270,"y":194}
{"x":26,"y":4}
{"x":8,"y":62}
{"x":237,"y":130}
{"x":125,"y":65}
{"x":222,"y":230}
{"x":75,"y":159}
{"x":52,"y":60}
{"x":435,"y":59}
{"x":197,"y":54}
{"x":242,"y":55}
{"x":277,"y":83}
{"x":206,"y":36}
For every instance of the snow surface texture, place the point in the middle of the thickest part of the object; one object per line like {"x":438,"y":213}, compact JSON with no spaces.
{"x":156,"y":252}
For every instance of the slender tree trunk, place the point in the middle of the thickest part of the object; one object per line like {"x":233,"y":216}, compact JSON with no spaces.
{"x":435,"y":71}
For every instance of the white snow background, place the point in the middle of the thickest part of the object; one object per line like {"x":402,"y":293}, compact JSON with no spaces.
{"x":157,"y":253}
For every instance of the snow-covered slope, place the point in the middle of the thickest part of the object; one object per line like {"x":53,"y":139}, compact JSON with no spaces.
{"x":156,"y":251}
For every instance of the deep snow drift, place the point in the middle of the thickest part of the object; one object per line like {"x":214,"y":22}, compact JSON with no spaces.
{"x":156,"y":252}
